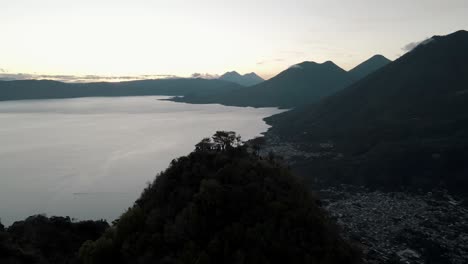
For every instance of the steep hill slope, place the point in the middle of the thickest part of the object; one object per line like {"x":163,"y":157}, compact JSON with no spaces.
{"x":222,"y":204}
{"x":405,"y":125}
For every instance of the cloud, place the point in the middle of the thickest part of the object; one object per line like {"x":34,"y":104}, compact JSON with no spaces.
{"x":410,"y":46}
{"x":293,"y":53}
{"x":205,"y":75}
{"x":270,"y":61}
{"x":295,"y":66}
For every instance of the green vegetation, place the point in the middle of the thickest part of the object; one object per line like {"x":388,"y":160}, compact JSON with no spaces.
{"x":222,"y":204}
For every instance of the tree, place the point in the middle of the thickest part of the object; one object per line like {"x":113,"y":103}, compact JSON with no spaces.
{"x":257,"y":144}
{"x":204,"y":145}
{"x":226,"y":139}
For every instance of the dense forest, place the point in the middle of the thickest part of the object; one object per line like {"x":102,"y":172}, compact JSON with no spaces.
{"x":43,"y":240}
{"x":222,"y":204}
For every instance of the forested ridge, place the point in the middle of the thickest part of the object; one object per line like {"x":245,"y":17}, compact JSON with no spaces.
{"x":222,"y":204}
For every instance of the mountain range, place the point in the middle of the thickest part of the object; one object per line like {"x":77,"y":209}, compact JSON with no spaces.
{"x":46,"y":89}
{"x":386,"y":125}
{"x":391,"y":124}
{"x":300,"y":84}
{"x":248,"y":79}
{"x":403,"y":125}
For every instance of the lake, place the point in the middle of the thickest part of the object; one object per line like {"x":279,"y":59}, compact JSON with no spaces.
{"x":90,"y":158}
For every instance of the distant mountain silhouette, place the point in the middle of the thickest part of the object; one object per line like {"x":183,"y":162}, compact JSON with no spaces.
{"x":404,"y":125}
{"x":248,"y":79}
{"x":45,"y":89}
{"x":300,"y":84}
{"x":369,"y":66}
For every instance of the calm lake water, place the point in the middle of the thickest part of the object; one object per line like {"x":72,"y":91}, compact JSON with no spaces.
{"x":90,"y":158}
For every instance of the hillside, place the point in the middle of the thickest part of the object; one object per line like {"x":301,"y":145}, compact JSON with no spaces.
{"x":248,"y":79}
{"x":404,"y":125}
{"x":222,"y":204}
{"x":42,"y":240}
{"x":369,"y":66}
{"x":45,"y":89}
{"x":301,"y":84}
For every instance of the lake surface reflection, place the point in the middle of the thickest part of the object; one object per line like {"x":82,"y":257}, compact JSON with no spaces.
{"x":90,"y":158}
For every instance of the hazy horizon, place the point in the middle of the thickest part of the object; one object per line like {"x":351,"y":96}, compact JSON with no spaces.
{"x":179,"y":38}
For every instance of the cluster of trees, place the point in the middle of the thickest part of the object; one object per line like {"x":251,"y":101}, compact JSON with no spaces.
{"x":221,"y":140}
{"x":40,"y":239}
{"x":222,"y":204}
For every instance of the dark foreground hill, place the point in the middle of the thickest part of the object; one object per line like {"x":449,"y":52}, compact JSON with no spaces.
{"x":45,"y":89}
{"x":222,"y":204}
{"x":248,"y":79}
{"x":42,"y":240}
{"x":405,"y":125}
{"x":301,"y":84}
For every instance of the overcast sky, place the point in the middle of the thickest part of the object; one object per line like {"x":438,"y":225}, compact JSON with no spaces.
{"x":175,"y":37}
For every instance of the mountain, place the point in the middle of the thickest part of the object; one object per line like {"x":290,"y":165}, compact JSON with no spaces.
{"x":252,"y":79}
{"x":248,"y":79}
{"x":404,"y":125}
{"x":369,"y":66}
{"x":222,"y":204}
{"x":46,"y":89}
{"x":298,"y":85}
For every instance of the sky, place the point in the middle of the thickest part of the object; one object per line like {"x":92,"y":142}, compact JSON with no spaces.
{"x":174,"y":37}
